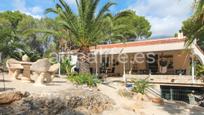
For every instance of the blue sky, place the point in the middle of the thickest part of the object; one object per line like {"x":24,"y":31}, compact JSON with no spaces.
{"x":165,"y":16}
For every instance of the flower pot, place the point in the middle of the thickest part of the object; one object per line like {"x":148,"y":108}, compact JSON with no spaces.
{"x":158,"y":101}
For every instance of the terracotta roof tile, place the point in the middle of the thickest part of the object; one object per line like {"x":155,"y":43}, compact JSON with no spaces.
{"x":139,"y":43}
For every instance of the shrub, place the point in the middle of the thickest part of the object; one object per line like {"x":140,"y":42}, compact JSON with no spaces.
{"x":140,"y":86}
{"x":199,"y":70}
{"x":66,"y":66}
{"x":33,"y":55}
{"x":84,"y":79}
{"x":53,"y":57}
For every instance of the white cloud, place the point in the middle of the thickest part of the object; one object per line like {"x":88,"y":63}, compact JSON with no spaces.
{"x":165,"y":16}
{"x":35,"y":11}
{"x":20,"y":5}
{"x":34,"y":16}
{"x":71,"y":2}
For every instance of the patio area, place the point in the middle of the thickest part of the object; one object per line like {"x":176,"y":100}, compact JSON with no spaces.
{"x":57,"y":85}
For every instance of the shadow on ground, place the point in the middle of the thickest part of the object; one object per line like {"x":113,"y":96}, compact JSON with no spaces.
{"x":53,"y":84}
{"x":59,"y":82}
{"x":6,"y":89}
{"x":5,"y":80}
{"x":180,"y":108}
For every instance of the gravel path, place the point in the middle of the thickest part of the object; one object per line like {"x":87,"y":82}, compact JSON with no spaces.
{"x":123,"y":106}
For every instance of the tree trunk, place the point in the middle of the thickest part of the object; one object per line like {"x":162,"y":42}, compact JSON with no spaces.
{"x":83,"y":60}
{"x":84,"y":67}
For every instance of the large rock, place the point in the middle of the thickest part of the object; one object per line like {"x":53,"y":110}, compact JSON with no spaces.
{"x":11,"y":96}
{"x":71,"y":102}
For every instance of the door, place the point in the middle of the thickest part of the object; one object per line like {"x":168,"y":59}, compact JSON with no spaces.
{"x":152,"y":63}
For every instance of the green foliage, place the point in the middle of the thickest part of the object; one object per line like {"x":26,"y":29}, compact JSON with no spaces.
{"x":52,"y":31}
{"x":52,"y":56}
{"x":140,"y":86}
{"x":13,"y":17}
{"x":193,"y":31}
{"x":199,"y":70}
{"x":13,"y":37}
{"x":41,"y":34}
{"x":8,"y":37}
{"x":126,"y":24}
{"x":66,"y":66}
{"x":38,"y":41}
{"x":199,"y":10}
{"x":84,"y":79}
{"x":86,"y":25}
{"x":33,"y":55}
{"x":193,"y":27}
{"x":90,"y":26}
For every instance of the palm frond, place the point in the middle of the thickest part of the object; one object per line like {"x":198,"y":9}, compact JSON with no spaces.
{"x":103,"y":10}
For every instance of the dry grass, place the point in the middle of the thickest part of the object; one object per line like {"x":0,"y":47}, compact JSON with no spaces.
{"x":125,"y":93}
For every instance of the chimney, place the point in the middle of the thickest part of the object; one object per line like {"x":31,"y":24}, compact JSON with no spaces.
{"x":180,"y":35}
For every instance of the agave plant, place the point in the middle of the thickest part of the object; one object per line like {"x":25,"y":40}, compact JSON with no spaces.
{"x":140,"y":86}
{"x":84,"y":79}
{"x":66,"y":66}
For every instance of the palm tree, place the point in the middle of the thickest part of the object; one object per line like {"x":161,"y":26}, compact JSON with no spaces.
{"x":199,"y":10}
{"x":85,"y":25}
{"x":121,"y":26}
{"x":196,"y":21}
{"x":126,"y":24}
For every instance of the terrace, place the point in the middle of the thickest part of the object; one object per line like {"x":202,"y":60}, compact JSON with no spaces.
{"x":137,"y":63}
